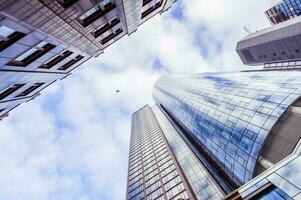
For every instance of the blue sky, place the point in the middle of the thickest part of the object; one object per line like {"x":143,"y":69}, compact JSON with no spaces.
{"x":71,"y":143}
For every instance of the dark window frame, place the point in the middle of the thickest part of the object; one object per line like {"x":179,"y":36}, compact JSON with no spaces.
{"x":151,"y":9}
{"x":96,"y":15}
{"x":105,"y":27}
{"x":67,"y":3}
{"x":111,"y":36}
{"x":247,"y":54}
{"x":70,"y":63}
{"x":261,"y":191}
{"x":56,"y":60}
{"x":145,"y":2}
{"x":31,"y":58}
{"x":10,"y":90}
{"x":30,"y":89}
{"x":14,"y":37}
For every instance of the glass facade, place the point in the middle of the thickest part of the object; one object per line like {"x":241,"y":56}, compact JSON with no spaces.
{"x":197,"y":175}
{"x":153,"y":172}
{"x":284,"y":10}
{"x":281,"y":182}
{"x":229,"y":114}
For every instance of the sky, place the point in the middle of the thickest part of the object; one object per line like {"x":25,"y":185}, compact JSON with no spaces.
{"x":71,"y":143}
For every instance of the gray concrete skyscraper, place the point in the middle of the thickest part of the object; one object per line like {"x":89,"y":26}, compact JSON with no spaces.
{"x":221,"y":130}
{"x":42,"y":41}
{"x":277,"y":47}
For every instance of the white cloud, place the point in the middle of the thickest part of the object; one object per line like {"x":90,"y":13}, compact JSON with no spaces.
{"x":72,"y":142}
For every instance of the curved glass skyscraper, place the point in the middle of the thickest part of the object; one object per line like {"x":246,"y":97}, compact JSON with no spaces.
{"x":216,"y":136}
{"x":241,"y":122}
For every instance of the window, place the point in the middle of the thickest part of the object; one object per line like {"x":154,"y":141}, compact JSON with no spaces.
{"x":268,"y":192}
{"x":1,"y":110}
{"x":145,"y":2}
{"x":105,"y":27}
{"x":8,"y":37}
{"x":32,"y":54}
{"x":55,"y":60}
{"x":67,"y":3}
{"x":96,"y":12}
{"x":248,"y":55}
{"x":71,"y":62}
{"x":6,"y":92}
{"x":151,"y":9}
{"x":30,"y":89}
{"x":111,"y":36}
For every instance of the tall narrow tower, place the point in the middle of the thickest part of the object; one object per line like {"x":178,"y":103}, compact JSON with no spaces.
{"x":162,"y":165}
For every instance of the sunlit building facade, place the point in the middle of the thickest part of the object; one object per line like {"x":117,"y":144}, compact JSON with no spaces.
{"x":284,"y":10}
{"x":226,"y":135}
{"x":280,"y":182}
{"x":42,"y":41}
{"x":161,"y":163}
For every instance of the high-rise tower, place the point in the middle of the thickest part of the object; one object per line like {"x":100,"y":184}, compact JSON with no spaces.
{"x":235,"y":126}
{"x":284,"y":10}
{"x":161,"y":163}
{"x":276,"y":47}
{"x":42,"y":41}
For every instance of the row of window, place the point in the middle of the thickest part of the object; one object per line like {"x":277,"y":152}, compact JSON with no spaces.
{"x":102,"y":9}
{"x":10,"y":90}
{"x":94,"y":14}
{"x":151,"y":9}
{"x":8,"y":36}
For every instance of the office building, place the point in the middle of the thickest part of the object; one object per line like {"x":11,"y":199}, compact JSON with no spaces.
{"x":280,"y":182}
{"x":42,"y":41}
{"x":276,"y":47}
{"x":161,"y":164}
{"x":234,"y":126}
{"x":284,"y":10}
{"x":236,"y":118}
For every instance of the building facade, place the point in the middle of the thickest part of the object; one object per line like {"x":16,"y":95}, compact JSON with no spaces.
{"x":280,"y":182}
{"x":42,"y":41}
{"x":242,"y":123}
{"x":276,"y":47}
{"x":220,"y":130}
{"x":161,"y":163}
{"x":284,"y":10}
